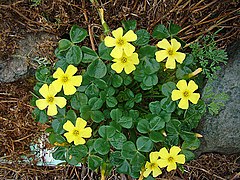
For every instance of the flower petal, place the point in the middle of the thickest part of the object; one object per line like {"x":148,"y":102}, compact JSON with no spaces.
{"x":129,"y":49}
{"x":175,"y":45}
{"x":109,"y":41}
{"x":156,"y":171}
{"x":44,"y":90}
{"x":164,"y":44}
{"x":60,"y":101}
{"x":129,"y":68}
{"x":86,"y":133}
{"x":69,"y":89}
{"x":134,"y":58}
{"x":163,"y":153}
{"x":179,"y":57}
{"x":162,"y":163}
{"x":176,"y":94}
{"x":68,"y":126}
{"x":76,"y":80}
{"x":57,"y":85}
{"x":69,"y":137}
{"x":182,"y":85}
{"x":147,"y":172}
{"x":153,"y":156}
{"x":170,"y":64}
{"x":118,"y":67}
{"x":81,"y":123}
{"x":171,"y":166}
{"x":58,"y":73}
{"x":161,"y":55}
{"x":194,"y":97}
{"x":52,"y":91}
{"x":183,"y":104}
{"x":174,"y":150}
{"x":71,"y":70}
{"x":41,"y":103}
{"x":180,"y":158}
{"x":118,"y":33}
{"x":52,"y":110}
{"x":117,"y":52}
{"x":130,"y":36}
{"x":192,"y":86}
{"x":79,"y":140}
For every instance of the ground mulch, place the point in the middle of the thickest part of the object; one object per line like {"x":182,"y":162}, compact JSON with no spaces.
{"x":18,"y":17}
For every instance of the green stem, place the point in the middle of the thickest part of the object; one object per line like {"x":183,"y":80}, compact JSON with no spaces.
{"x":141,"y":109}
{"x":154,"y":96}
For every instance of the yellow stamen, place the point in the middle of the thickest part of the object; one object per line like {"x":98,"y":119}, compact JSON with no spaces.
{"x":123,"y":59}
{"x":170,"y":159}
{"x":120,"y":42}
{"x":185,"y":93}
{"x":170,"y":52}
{"x":50,"y":99}
{"x":75,"y":132}
{"x":64,"y":79}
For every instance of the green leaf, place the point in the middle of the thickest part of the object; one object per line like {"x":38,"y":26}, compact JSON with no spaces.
{"x":156,"y":136}
{"x":77,"y":34}
{"x":59,"y":153}
{"x":143,"y":126}
{"x":116,"y":158}
{"x":172,"y":139}
{"x":144,"y":144}
{"x":166,"y":116}
{"x":78,"y":99}
{"x":76,"y":153}
{"x":124,"y":168}
{"x":117,"y":140}
{"x":182,"y":72}
{"x":95,"y":103}
{"x":62,"y":63}
{"x":53,"y":137}
{"x":116,"y":114}
{"x":156,"y":123}
{"x":101,"y":84}
{"x":168,"y":105}
{"x":94,"y":162}
{"x":57,"y":125}
{"x":138,"y":98}
{"x":125,"y":122}
{"x":89,"y":55}
{"x":104,"y":51}
{"x":101,"y":146}
{"x":42,"y":74}
{"x":106,"y":131}
{"x":71,"y":115}
{"x":142,"y":37}
{"x":160,"y":32}
{"x":188,"y":60}
{"x":128,"y":150}
{"x":116,"y":80}
{"x":92,"y":91}
{"x":189,"y":155}
{"x":138,"y":161}
{"x":129,"y":24}
{"x":191,"y":145}
{"x":151,"y":66}
{"x":97,"y":69}
{"x":155,"y":107}
{"x":64,"y":44}
{"x":150,"y":80}
{"x":147,"y":51}
{"x":40,"y":116}
{"x":173,"y":126}
{"x":85,"y":111}
{"x":174,"y":29}
{"x":97,"y":116}
{"x":111,"y":101}
{"x":167,"y":88}
{"x":74,"y":55}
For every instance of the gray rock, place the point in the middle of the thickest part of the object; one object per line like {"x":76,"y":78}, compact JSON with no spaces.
{"x":221,"y":133}
{"x":19,"y":64}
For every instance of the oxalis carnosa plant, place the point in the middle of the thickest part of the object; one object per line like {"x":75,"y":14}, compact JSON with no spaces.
{"x":131,"y":106}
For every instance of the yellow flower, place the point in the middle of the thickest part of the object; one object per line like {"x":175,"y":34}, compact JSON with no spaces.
{"x":78,"y":132}
{"x":185,"y":93}
{"x":170,"y":159}
{"x":50,"y":101}
{"x":121,"y":43}
{"x":125,"y":62}
{"x":170,"y":52}
{"x":153,"y":165}
{"x":67,"y":80}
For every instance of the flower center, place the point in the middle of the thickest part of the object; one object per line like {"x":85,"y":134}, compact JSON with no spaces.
{"x":50,"y":99}
{"x":75,"y":132}
{"x":170,"y":159}
{"x":120,"y":42}
{"x":64,"y":79}
{"x":185,"y":93}
{"x":170,"y":52}
{"x":123,"y":59}
{"x":153,"y":165}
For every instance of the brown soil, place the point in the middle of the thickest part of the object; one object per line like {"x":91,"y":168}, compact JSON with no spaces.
{"x":18,"y":129}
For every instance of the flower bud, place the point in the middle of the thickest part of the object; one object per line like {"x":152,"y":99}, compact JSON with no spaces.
{"x":197,"y":71}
